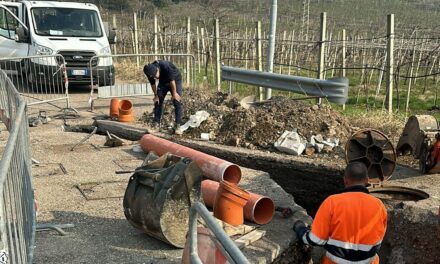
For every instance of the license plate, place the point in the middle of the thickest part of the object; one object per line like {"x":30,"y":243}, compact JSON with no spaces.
{"x":78,"y":72}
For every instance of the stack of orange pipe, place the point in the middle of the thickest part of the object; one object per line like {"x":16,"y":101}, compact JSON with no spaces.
{"x":221,"y":192}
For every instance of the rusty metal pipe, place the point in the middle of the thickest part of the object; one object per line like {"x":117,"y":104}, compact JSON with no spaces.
{"x":213,"y":168}
{"x":258,"y":209}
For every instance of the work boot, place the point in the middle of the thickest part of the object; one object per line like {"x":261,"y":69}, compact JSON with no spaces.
{"x":153,"y":128}
{"x":178,"y":130}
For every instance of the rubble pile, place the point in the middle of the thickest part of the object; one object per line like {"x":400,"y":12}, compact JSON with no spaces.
{"x":319,"y":127}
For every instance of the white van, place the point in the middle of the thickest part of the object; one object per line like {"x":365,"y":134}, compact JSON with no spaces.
{"x":73,"y":30}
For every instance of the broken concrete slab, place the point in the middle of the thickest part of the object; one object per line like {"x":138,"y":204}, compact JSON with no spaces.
{"x":290,"y":142}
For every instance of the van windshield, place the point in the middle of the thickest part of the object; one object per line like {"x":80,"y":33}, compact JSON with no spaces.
{"x":68,"y":22}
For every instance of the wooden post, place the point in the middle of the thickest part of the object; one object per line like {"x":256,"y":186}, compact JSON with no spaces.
{"x":155,"y":37}
{"x":245,"y":49}
{"x":114,"y":26}
{"x":188,"y":50}
{"x":335,"y":57}
{"x":198,"y":49}
{"x":136,"y":43}
{"x":379,"y":80}
{"x":322,"y":49}
{"x":259,"y":58}
{"x":204,"y":56}
{"x":292,"y":38}
{"x":282,"y":52}
{"x":419,"y":60}
{"x":410,"y":75}
{"x":390,"y":62}
{"x":217,"y":56}
{"x":344,"y":54}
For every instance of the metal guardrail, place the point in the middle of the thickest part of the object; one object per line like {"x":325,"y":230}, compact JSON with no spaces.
{"x":334,"y":89}
{"x":39,"y":79}
{"x":227,"y":246}
{"x":117,"y":80}
{"x":17,"y":211}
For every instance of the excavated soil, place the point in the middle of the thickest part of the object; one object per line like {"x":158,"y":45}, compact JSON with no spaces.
{"x":259,"y":126}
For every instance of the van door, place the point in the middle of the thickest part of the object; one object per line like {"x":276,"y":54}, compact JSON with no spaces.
{"x":8,"y":23}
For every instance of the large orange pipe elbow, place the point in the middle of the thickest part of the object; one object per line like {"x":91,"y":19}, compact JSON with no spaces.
{"x":258,"y":209}
{"x":213,"y":168}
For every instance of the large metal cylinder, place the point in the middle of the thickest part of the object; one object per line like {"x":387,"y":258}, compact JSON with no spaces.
{"x":213,"y":168}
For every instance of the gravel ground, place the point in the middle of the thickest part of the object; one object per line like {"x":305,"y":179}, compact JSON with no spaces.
{"x":101,"y":233}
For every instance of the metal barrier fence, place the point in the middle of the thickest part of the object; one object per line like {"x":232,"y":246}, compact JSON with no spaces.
{"x":334,"y":89}
{"x":17,"y":211}
{"x":122,"y":75}
{"x":227,"y":246}
{"x":39,"y":79}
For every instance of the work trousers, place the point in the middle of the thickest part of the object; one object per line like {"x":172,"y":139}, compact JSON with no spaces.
{"x":162,"y":91}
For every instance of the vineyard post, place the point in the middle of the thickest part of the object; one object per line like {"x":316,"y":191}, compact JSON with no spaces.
{"x":114,"y":26}
{"x":344,"y":54}
{"x":271,"y":49}
{"x":188,"y":49}
{"x":155,"y":36}
{"x":390,"y":62}
{"x":322,"y":49}
{"x":217,"y":56}
{"x":136,"y":43}
{"x":259,"y":58}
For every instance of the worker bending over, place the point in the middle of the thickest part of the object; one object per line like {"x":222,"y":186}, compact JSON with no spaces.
{"x":170,"y":80}
{"x":349,"y":225}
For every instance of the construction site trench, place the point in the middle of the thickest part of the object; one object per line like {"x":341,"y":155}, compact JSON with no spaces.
{"x":246,"y":136}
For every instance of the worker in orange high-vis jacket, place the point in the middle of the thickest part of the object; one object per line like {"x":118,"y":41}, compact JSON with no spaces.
{"x":349,"y":225}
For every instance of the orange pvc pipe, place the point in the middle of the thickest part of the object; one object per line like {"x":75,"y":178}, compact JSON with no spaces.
{"x":126,"y":118}
{"x":229,"y":203}
{"x":125,"y":107}
{"x":213,"y":168}
{"x":125,"y":111}
{"x":258,"y":209}
{"x":114,"y":107}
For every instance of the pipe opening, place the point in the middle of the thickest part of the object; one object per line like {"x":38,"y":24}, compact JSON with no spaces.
{"x":396,"y":193}
{"x":263,"y":211}
{"x":232,"y":174}
{"x":125,"y":105}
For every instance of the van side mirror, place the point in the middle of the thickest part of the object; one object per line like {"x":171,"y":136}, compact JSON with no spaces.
{"x":111,"y":36}
{"x":21,"y":35}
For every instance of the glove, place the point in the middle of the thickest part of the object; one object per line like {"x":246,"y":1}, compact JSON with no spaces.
{"x":300,"y":229}
{"x":299,"y":225}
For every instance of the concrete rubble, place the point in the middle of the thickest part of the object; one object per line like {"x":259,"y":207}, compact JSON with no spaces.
{"x":292,"y":143}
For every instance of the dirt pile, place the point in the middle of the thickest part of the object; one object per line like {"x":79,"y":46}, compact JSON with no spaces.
{"x":259,"y":126}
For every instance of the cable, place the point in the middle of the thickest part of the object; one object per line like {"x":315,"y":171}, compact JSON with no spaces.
{"x":294,"y":66}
